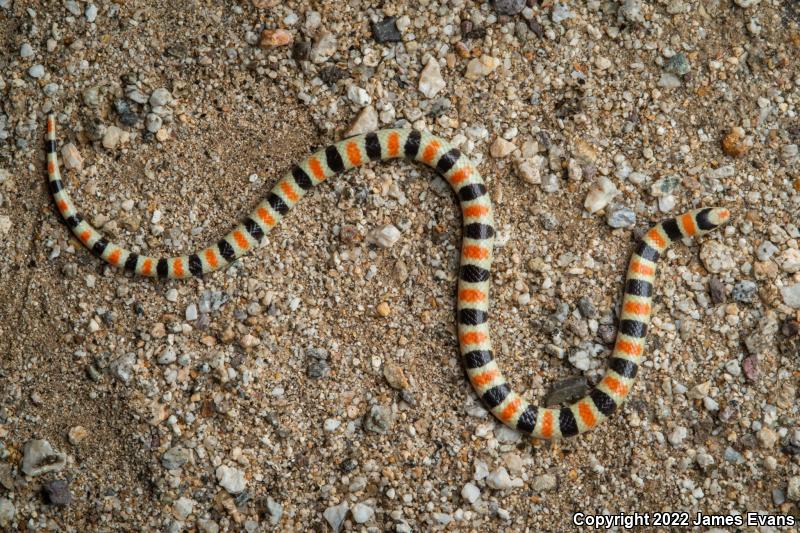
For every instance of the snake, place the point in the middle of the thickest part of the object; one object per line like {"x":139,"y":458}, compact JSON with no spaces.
{"x":474,"y":276}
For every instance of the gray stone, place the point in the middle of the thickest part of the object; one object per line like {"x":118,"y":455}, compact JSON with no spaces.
{"x":621,"y":217}
{"x":678,"y":65}
{"x":732,"y":456}
{"x":39,"y":457}
{"x":586,"y":307}
{"x":567,"y":390}
{"x":509,"y":7}
{"x":57,"y":492}
{"x":7,"y":512}
{"x":174,"y":458}
{"x":386,"y":31}
{"x":744,"y":291}
{"x":791,"y":295}
{"x":717,"y":290}
{"x":231,"y":479}
{"x":160,"y":97}
{"x":793,"y":488}
{"x":335,"y":515}
{"x":379,"y":419}
{"x":362,"y":513}
{"x":275,"y":511}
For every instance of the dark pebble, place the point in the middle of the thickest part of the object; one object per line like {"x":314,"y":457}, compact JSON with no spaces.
{"x":568,"y":390}
{"x":386,"y":31}
{"x":301,"y":50}
{"x":348,"y":465}
{"x":586,"y":307}
{"x":790,"y":449}
{"x":318,"y":369}
{"x":509,"y":7}
{"x":331,"y":74}
{"x":466,"y":26}
{"x":717,"y":290}
{"x":125,"y":113}
{"x":607,"y":333}
{"x":544,"y":139}
{"x":57,"y":492}
{"x":790,"y":327}
{"x":536,"y":28}
{"x":475,"y":33}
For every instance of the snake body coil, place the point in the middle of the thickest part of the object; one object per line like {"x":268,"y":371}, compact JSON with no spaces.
{"x":474,"y":275}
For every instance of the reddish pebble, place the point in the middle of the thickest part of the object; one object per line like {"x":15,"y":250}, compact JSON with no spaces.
{"x":275,"y":38}
{"x":750,"y":367}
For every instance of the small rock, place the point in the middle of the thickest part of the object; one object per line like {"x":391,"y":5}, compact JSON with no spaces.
{"x":40,"y":458}
{"x":790,"y":260}
{"x":560,"y":13}
{"x":167,"y":357}
{"x":335,"y":515}
{"x":744,"y":291}
{"x":395,"y":376}
{"x":36,"y":71}
{"x":470,"y":493}
{"x":7,"y":512}
{"x":365,"y":122}
{"x":500,"y":480}
{"x":385,"y":236}
{"x":765,"y":251}
{"x":509,"y":8}
{"x":182,"y":508}
{"x":174,"y":458}
{"x":358,"y":95}
{"x":621,"y":217}
{"x":25,"y":51}
{"x":231,"y":479}
{"x":631,"y":10}
{"x":767,"y":437}
{"x":275,"y":38}
{"x":716,"y":257}
{"x":480,"y":67}
{"x":77,"y":435}
{"x":57,"y":492}
{"x":791,"y":295}
{"x":567,"y":390}
{"x":191,"y":312}
{"x":736,"y":143}
{"x":379,"y":419}
{"x":323,"y":48}
{"x":386,"y":31}
{"x":600,"y":195}
{"x":678,"y":65}
{"x":160,"y":97}
{"x":544,"y":483}
{"x":5,"y":224}
{"x":732,"y":456}
{"x":750,"y":368}
{"x":362,"y":513}
{"x":430,"y":79}
{"x":90,"y":13}
{"x":501,"y":148}
{"x":72,"y":157}
{"x":793,"y":488}
{"x":275,"y":511}
{"x":153,"y":122}
{"x":746,"y":3}
{"x":112,"y":137}
{"x":677,"y":436}
{"x":717,"y":290}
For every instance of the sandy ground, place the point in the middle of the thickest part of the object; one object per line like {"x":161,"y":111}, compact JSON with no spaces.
{"x":280,"y":408}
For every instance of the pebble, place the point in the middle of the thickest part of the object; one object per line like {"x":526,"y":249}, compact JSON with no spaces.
{"x":191,"y":312}
{"x":744,"y":291}
{"x":791,"y":295}
{"x":480,"y":67}
{"x":167,"y":357}
{"x":182,"y":508}
{"x":385,"y":236}
{"x":716,"y":257}
{"x":766,"y":250}
{"x":39,"y":458}
{"x":732,"y":456}
{"x":335,"y":515}
{"x":160,"y":97}
{"x":73,"y":7}
{"x":678,"y":65}
{"x":470,"y":492}
{"x":231,"y":479}
{"x":430,"y":79}
{"x":746,"y":3}
{"x":72,"y":157}
{"x":793,"y":488}
{"x":509,"y":8}
{"x":666,"y":203}
{"x":358,"y":95}
{"x":560,"y":13}
{"x":26,"y":51}
{"x":57,"y":492}
{"x":323,"y":48}
{"x":621,"y":217}
{"x":36,"y":71}
{"x":386,"y":31}
{"x":90,"y":13}
{"x":365,"y":122}
{"x":172,"y":293}
{"x":736,"y":143}
{"x":362,"y":513}
{"x":544,"y":483}
{"x":379,"y":419}
{"x":275,"y":511}
{"x":501,"y":148}
{"x":717,"y":290}
{"x":5,"y":224}
{"x":153,"y":122}
{"x":790,"y":260}
{"x":174,"y":458}
{"x":112,"y":137}
{"x":395,"y":376}
{"x":677,"y":436}
{"x":275,"y":38}
{"x":500,"y":480}
{"x":77,"y":435}
{"x":567,"y":390}
{"x":7,"y":512}
{"x":601,"y":193}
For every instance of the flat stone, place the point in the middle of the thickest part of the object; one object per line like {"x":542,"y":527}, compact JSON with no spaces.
{"x":39,"y":458}
{"x":335,"y":515}
{"x":791,"y":295}
{"x":509,"y":8}
{"x":470,"y":493}
{"x":72,"y":157}
{"x":386,"y":31}
{"x":744,"y":291}
{"x":430,"y":79}
{"x":385,"y":236}
{"x":716,"y":257}
{"x":621,"y":217}
{"x":231,"y":479}
{"x":379,"y":419}
{"x":365,"y":122}
{"x":544,"y":483}
{"x":7,"y":512}
{"x":480,"y":67}
{"x":57,"y":492}
{"x":362,"y":513}
{"x":174,"y":458}
{"x":323,"y":48}
{"x":275,"y":38}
